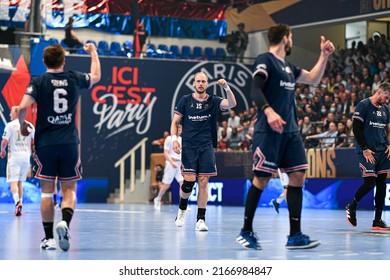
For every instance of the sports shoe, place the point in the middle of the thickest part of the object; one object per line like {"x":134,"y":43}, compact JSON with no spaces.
{"x":351,"y":215}
{"x":276,"y":205}
{"x":379,"y":225}
{"x":301,"y":241}
{"x":157,"y":203}
{"x":48,"y":244}
{"x":180,"y":218}
{"x":63,"y":235}
{"x":18,"y":209}
{"x":201,"y":226}
{"x":248,"y":239}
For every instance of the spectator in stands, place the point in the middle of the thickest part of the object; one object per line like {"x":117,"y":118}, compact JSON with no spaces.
{"x":233,"y":120}
{"x":247,"y":133}
{"x":366,"y":76}
{"x":341,"y":140}
{"x":323,"y":113}
{"x":71,"y":39}
{"x":330,"y":117}
{"x":349,"y":134}
{"x":316,"y":105}
{"x":224,"y":127}
{"x":376,"y":82}
{"x":310,"y":113}
{"x":223,"y":141}
{"x":235,"y":140}
{"x":141,"y":39}
{"x":252,"y":115}
{"x":328,"y":137}
{"x":306,"y":126}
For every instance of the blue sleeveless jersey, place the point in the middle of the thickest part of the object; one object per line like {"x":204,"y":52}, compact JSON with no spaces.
{"x":56,"y":95}
{"x":374,"y":121}
{"x":199,"y":120}
{"x":278,"y":90}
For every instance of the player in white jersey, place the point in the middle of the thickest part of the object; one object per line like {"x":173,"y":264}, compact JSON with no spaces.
{"x":19,"y":154}
{"x":172,"y":168}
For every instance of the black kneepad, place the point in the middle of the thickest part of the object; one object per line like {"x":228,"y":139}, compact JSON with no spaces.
{"x":187,"y":186}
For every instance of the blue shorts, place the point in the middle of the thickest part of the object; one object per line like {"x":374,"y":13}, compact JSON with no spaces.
{"x":381,"y":165}
{"x":272,"y":150}
{"x":198,"y":161}
{"x":60,"y":161}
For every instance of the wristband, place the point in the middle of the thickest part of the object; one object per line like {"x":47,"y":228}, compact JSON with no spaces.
{"x":264,"y":107}
{"x":227,"y":88}
{"x":174,"y":138}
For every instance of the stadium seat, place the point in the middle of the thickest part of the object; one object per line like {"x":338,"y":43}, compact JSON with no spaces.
{"x":174,"y":51}
{"x":81,"y":51}
{"x":115,"y":47}
{"x":197,"y":53}
{"x":151,"y":50}
{"x":62,"y":43}
{"x":92,"y":41}
{"x":162,"y":51}
{"x":103,"y":47}
{"x":127,"y":48}
{"x":220,"y":54}
{"x":53,"y":41}
{"x":185,"y":52}
{"x":209,"y":53}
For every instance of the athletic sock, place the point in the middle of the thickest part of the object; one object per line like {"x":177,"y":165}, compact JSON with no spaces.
{"x":183,"y":203}
{"x":201,"y":214}
{"x":252,"y":200}
{"x":294,"y":202}
{"x":67,"y":214}
{"x":48,"y":228}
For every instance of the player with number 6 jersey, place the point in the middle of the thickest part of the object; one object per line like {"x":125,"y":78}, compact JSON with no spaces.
{"x":56,"y":93}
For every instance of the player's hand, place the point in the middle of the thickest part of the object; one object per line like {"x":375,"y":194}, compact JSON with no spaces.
{"x":89,"y":47}
{"x":274,"y":120}
{"x":388,"y":152}
{"x":25,"y":129}
{"x":369,"y":156}
{"x":327,"y":46}
{"x":222,"y":83}
{"x":2,"y":154}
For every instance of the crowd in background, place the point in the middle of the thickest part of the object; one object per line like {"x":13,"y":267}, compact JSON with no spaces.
{"x":325,"y":110}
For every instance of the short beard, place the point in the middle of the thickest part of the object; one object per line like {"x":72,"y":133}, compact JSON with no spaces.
{"x":287,"y":49}
{"x":200,"y":92}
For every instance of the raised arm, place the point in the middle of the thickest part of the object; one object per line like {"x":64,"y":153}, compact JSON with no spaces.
{"x":230,"y":100}
{"x":315,"y":74}
{"x":95,"y":70}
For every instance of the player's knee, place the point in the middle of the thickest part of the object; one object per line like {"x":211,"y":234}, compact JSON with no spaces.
{"x":47,"y":195}
{"x":187,"y":186}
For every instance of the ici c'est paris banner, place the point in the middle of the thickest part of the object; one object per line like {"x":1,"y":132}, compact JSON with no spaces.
{"x":136,"y":98}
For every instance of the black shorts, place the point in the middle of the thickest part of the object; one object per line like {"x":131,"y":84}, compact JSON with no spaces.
{"x":272,"y":150}
{"x":198,"y":161}
{"x":60,"y":161}
{"x":381,"y":165}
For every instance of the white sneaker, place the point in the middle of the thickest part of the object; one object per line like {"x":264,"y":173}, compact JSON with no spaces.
{"x":48,"y":244}
{"x":180,"y":218}
{"x":157,"y":203}
{"x":201,"y":226}
{"x":63,"y":235}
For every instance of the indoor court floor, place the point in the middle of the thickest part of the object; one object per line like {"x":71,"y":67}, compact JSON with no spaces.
{"x":138,"y":232}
